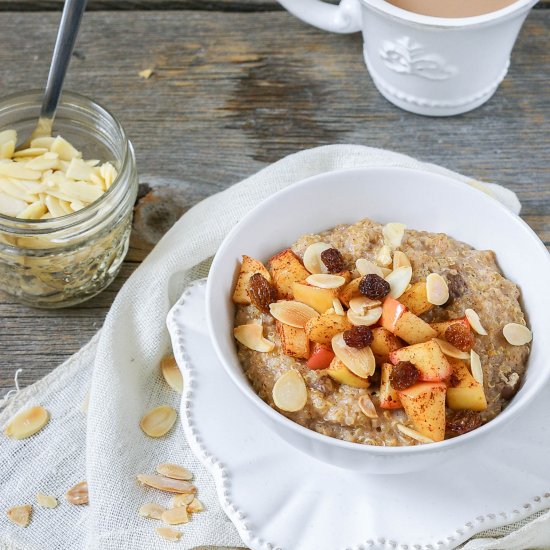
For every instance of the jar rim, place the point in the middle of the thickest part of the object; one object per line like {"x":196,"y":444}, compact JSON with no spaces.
{"x":34,"y":97}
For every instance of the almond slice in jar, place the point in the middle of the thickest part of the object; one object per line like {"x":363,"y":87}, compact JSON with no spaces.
{"x":367,"y":406}
{"x":158,"y":421}
{"x":393,"y":234}
{"x":359,"y":361}
{"x":252,"y":336}
{"x":325,"y":280}
{"x":168,"y":534}
{"x":151,"y":510}
{"x":437,"y":290}
{"x":20,"y":515}
{"x":399,"y":280}
{"x":516,"y":334}
{"x":368,"y":318}
{"x":290,"y":392}
{"x":27,"y":423}
{"x":337,"y":307}
{"x":413,"y":434}
{"x":400,"y":259}
{"x":475,"y":366}
{"x":181,"y":500}
{"x":78,"y":494}
{"x":312,"y":258}
{"x":175,"y":516}
{"x":361,"y":304}
{"x":172,"y":373}
{"x":167,"y":484}
{"x":46,"y":501}
{"x":174,"y":471}
{"x":450,"y":350}
{"x":195,"y":506}
{"x":292,"y":313}
{"x":384,"y":257}
{"x":366,"y":267}
{"x":475,"y":323}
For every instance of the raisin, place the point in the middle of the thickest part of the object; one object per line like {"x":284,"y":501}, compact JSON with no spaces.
{"x":261,"y":292}
{"x":374,"y":287}
{"x":403,"y":375}
{"x":457,"y":287}
{"x":333,"y":260}
{"x":460,"y":337}
{"x":358,"y":337}
{"x":461,"y":422}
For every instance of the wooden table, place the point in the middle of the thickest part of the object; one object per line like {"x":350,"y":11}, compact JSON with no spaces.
{"x":238,"y":84}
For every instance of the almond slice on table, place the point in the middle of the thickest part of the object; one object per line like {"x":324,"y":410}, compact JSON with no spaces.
{"x":366,"y":267}
{"x":393,"y":234}
{"x":359,"y":361}
{"x":158,"y":421}
{"x":172,"y":373}
{"x":27,"y":422}
{"x":290,"y":392}
{"x":367,"y":406}
{"x":475,"y":367}
{"x":400,"y":259}
{"x":361,"y":304}
{"x":174,"y":471}
{"x":384,"y":257}
{"x":168,"y":534}
{"x":399,"y":280}
{"x":516,"y":334}
{"x":252,"y":336}
{"x":167,"y":484}
{"x":20,"y":515}
{"x":326,"y":280}
{"x":450,"y":350}
{"x":46,"y":501}
{"x":175,"y":516}
{"x":475,"y":323}
{"x":312,"y":257}
{"x":195,"y":506}
{"x":337,"y":307}
{"x":151,"y":510}
{"x":370,"y":317}
{"x":181,"y":500}
{"x":292,"y":313}
{"x":78,"y":494}
{"x":413,"y":434}
{"x":437,"y":290}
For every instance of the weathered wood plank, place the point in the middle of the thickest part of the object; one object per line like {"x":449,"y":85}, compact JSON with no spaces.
{"x":233,"y":92}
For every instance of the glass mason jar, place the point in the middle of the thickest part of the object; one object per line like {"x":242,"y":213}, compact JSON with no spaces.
{"x":63,"y":261}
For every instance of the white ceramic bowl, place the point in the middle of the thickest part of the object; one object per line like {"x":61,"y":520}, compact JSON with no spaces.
{"x":423,"y":201}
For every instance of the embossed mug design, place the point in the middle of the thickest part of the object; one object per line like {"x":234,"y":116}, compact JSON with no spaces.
{"x":427,"y":65}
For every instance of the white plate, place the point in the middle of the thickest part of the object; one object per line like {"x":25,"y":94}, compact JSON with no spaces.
{"x":278,"y":497}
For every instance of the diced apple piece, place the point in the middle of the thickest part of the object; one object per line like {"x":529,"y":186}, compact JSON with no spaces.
{"x":427,"y":358}
{"x":323,"y":328}
{"x":248,"y":268}
{"x":341,"y":374}
{"x":294,"y":341}
{"x":286,"y":269}
{"x":320,"y":299}
{"x":389,"y":398}
{"x":413,"y":329}
{"x":383,"y":343}
{"x":321,"y":357}
{"x":351,"y":290}
{"x":466,"y":392}
{"x":440,"y":328}
{"x":424,"y":404}
{"x":416,"y":299}
{"x":392,"y":310}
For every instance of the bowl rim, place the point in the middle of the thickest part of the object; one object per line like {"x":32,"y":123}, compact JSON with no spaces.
{"x":446,"y":445}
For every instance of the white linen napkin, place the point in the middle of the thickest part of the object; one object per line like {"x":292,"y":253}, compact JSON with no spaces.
{"x":120,"y":364}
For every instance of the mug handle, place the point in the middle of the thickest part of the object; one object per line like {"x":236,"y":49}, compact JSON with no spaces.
{"x":344,"y":18}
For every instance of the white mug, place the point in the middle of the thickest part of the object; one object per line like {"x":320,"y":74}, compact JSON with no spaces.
{"x":428,"y":65}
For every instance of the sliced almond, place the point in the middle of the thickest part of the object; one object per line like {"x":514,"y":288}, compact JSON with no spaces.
{"x":151,"y":510}
{"x":475,"y":323}
{"x":290,"y":392}
{"x":370,"y":317}
{"x":252,"y":336}
{"x":384,"y":257}
{"x":400,"y":259}
{"x":325,"y":280}
{"x":158,"y":421}
{"x":475,"y":366}
{"x":337,"y":306}
{"x":399,"y":280}
{"x":437,"y":290}
{"x":366,"y":267}
{"x":413,"y":434}
{"x":172,"y":373}
{"x":27,"y":423}
{"x":46,"y":501}
{"x":175,"y":516}
{"x":450,"y":350}
{"x":292,"y":313}
{"x":516,"y":334}
{"x":167,"y":484}
{"x":174,"y":471}
{"x":168,"y":534}
{"x":367,"y":406}
{"x":78,"y":494}
{"x":181,"y":500}
{"x":20,"y":515}
{"x":312,"y":257}
{"x":393,"y":234}
{"x":359,"y":361}
{"x":195,"y":506}
{"x":361,"y":304}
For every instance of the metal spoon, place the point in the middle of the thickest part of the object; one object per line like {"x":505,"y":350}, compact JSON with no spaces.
{"x":73,"y":11}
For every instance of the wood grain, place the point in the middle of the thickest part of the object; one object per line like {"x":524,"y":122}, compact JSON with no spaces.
{"x":232,"y":92}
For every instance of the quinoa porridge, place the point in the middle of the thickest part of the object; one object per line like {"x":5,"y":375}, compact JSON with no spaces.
{"x":381,"y":335}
